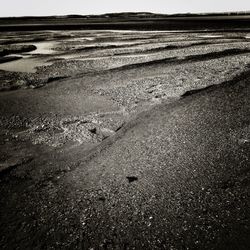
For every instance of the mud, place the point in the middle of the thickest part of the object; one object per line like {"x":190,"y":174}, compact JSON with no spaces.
{"x":93,"y":125}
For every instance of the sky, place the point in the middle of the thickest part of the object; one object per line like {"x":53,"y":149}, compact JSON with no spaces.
{"x":85,"y":7}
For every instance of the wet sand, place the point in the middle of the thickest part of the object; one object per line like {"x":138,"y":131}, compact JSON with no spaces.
{"x":114,"y":139}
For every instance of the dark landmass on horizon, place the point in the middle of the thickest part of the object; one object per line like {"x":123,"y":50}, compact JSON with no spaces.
{"x":130,"y":20}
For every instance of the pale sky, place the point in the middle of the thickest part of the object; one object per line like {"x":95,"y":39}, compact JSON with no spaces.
{"x":64,"y":7}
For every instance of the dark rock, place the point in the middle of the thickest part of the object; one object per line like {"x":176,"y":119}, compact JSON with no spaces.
{"x":132,"y":178}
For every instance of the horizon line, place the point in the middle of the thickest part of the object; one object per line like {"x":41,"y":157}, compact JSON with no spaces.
{"x":127,"y":12}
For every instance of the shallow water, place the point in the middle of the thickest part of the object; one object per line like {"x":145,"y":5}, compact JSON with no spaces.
{"x":27,"y":65}
{"x":210,"y":36}
{"x":80,"y":39}
{"x":44,"y":48}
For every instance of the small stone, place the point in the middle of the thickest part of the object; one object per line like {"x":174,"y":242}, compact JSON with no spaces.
{"x":132,"y":178}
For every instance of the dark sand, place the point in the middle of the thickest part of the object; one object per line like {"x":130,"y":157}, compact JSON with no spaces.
{"x":125,"y":140}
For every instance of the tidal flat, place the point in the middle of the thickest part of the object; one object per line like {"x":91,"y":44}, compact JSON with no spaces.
{"x":124,"y":139}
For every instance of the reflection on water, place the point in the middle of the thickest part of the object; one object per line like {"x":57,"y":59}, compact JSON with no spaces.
{"x":28,"y":63}
{"x":44,"y":48}
{"x":81,"y":39}
{"x":210,"y":36}
{"x":24,"y":65}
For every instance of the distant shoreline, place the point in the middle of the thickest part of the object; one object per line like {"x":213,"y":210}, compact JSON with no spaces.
{"x":130,"y":21}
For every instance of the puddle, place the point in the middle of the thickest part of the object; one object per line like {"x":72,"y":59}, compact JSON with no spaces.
{"x":44,"y":48}
{"x":22,"y":55}
{"x":81,"y":39}
{"x":27,"y":65}
{"x":210,"y":36}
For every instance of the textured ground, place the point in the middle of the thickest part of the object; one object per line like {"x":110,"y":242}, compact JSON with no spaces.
{"x":105,"y":144}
